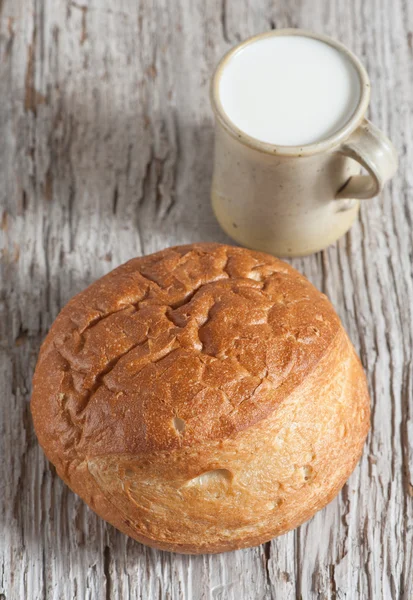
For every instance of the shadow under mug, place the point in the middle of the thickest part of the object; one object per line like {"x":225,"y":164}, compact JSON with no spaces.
{"x":290,"y":200}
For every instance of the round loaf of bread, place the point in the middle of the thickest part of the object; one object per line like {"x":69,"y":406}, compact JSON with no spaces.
{"x":201,"y":399}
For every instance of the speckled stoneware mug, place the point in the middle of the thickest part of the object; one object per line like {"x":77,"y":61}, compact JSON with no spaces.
{"x":290,"y":200}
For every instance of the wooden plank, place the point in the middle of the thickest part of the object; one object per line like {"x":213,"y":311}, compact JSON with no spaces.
{"x":106,"y":154}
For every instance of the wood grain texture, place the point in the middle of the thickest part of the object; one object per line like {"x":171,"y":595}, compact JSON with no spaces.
{"x":105,"y":154}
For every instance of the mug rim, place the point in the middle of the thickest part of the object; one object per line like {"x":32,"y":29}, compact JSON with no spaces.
{"x":306,"y":149}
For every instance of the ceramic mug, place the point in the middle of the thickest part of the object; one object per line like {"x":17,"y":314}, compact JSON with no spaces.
{"x":289,"y":200}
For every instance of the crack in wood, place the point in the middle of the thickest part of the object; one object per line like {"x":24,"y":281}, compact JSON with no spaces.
{"x":267,"y":558}
{"x":83,"y":32}
{"x":224,"y":22}
{"x":32,"y":98}
{"x":106,"y":572}
{"x":115,"y":199}
{"x":9,"y":45}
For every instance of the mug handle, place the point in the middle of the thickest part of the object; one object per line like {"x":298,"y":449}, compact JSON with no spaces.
{"x":375,"y":152}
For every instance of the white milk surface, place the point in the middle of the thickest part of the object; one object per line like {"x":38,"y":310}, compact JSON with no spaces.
{"x":289,"y":90}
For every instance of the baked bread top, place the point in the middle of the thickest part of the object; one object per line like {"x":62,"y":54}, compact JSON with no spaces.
{"x":193,"y":343}
{"x":201,"y":399}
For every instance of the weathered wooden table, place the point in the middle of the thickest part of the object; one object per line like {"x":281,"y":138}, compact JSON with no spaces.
{"x":106,"y":146}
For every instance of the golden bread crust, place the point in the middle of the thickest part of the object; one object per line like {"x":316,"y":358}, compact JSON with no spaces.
{"x":162,"y":390}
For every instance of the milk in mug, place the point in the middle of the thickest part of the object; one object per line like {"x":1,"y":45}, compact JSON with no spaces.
{"x":289,"y":90}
